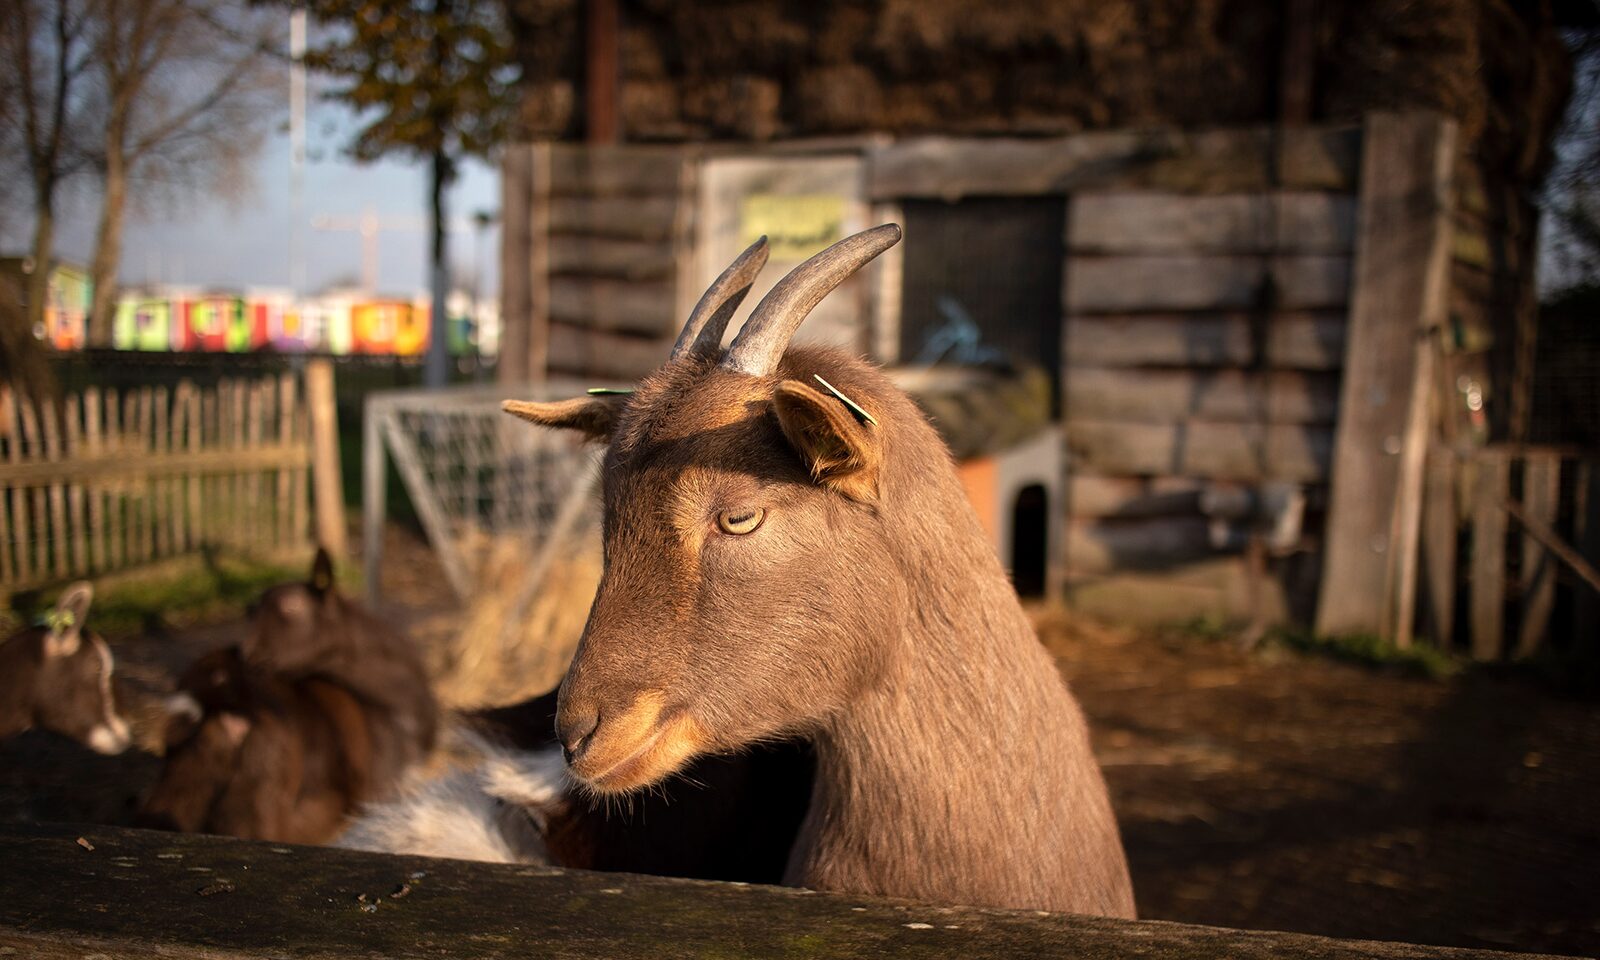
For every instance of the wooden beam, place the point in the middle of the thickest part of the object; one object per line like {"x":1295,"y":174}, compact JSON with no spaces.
{"x":634,"y":307}
{"x":1126,"y":284}
{"x":1220,"y":451}
{"x":602,"y":73}
{"x":1159,"y":396}
{"x":1400,"y":274}
{"x":140,"y":894}
{"x":540,"y":298}
{"x":141,"y":466}
{"x":1440,"y":527}
{"x":1296,"y":340}
{"x":1207,"y":161}
{"x":1168,"y":223}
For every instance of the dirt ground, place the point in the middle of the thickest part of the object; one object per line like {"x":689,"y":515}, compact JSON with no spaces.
{"x":1267,"y":790}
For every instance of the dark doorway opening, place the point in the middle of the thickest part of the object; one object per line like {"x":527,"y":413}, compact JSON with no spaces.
{"x":982,"y":282}
{"x":1030,"y":540}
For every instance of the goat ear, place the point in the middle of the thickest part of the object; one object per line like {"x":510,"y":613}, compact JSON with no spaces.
{"x":842,"y":452}
{"x":66,"y":620}
{"x":594,"y":416}
{"x":322,"y":571}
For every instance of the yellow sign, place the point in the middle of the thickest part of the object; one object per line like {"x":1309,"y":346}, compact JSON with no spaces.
{"x":796,"y":225}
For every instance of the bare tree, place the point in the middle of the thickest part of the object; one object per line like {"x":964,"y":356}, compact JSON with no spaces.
{"x":44,"y":81}
{"x":187,"y":86}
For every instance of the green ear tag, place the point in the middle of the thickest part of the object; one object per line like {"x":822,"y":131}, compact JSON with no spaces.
{"x":56,"y":620}
{"x":861,"y":414}
{"x":608,"y":392}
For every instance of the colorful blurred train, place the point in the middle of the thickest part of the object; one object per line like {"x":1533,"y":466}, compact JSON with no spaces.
{"x":172,"y":318}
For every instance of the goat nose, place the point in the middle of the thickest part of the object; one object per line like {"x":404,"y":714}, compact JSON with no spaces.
{"x":573,"y":728}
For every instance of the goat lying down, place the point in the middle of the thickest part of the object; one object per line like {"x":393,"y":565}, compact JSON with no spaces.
{"x":321,"y":710}
{"x":57,"y":676}
{"x":726,"y":818}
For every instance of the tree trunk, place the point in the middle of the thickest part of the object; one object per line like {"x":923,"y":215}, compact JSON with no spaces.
{"x":108,"y":239}
{"x":44,"y":240}
{"x":436,"y":373}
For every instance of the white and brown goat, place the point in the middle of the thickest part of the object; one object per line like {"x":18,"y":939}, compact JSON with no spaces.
{"x":57,"y":676}
{"x":788,"y":553}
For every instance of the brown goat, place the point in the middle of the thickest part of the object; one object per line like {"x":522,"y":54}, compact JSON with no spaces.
{"x":58,"y":676}
{"x":321,"y":710}
{"x":268,"y":759}
{"x":310,"y":629}
{"x":781,"y":562}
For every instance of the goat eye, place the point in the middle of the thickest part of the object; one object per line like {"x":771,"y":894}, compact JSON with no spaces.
{"x":740,"y":522}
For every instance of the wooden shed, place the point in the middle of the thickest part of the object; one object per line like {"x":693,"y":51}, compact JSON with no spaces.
{"x":1254,"y":331}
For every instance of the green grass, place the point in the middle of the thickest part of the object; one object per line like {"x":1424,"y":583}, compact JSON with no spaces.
{"x":175,"y":594}
{"x":1420,"y":659}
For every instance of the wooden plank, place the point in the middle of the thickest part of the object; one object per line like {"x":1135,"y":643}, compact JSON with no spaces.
{"x":326,"y":474}
{"x":613,"y":305}
{"x":610,"y":171}
{"x":17,"y":569}
{"x":611,"y":259}
{"x":60,"y":533}
{"x":1207,"y":161}
{"x":144,"y":435}
{"x":595,"y":353}
{"x":1586,"y":517}
{"x":258,"y":516}
{"x":1143,"y":543}
{"x":75,"y":493}
{"x":1400,"y":275}
{"x":1493,"y":487}
{"x":135,"y":895}
{"x":1159,"y":396}
{"x":180,"y":485}
{"x":39,"y":547}
{"x":1294,"y":340}
{"x":1541,"y":498}
{"x":1223,"y":451}
{"x":286,"y":535}
{"x":1127,"y":284}
{"x":1091,"y":496}
{"x":1167,"y":223}
{"x":648,"y":219}
{"x":515,"y":196}
{"x":541,"y":307}
{"x":1440,"y":527}
{"x":98,"y":544}
{"x":161,"y":488}
{"x":239,"y":530}
{"x":117,"y":552}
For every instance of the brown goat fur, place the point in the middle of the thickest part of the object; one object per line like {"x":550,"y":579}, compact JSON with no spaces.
{"x":864,"y":612}
{"x":310,"y":629}
{"x":269,"y":758}
{"x":58,"y":676}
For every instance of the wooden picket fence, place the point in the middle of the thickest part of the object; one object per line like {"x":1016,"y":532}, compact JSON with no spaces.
{"x":108,"y":480}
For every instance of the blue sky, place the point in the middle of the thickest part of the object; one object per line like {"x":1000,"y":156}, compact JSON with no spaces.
{"x":242,"y":241}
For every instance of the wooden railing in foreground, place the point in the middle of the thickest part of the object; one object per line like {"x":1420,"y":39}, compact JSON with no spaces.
{"x":103,"y":891}
{"x":103,"y":481}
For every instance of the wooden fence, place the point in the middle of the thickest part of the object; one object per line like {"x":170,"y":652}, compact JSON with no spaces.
{"x":1510,"y":538}
{"x":109,"y":480}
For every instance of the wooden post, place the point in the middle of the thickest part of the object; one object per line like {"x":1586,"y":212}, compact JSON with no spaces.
{"x":538,"y":264}
{"x":1489,"y":553}
{"x":326,"y":478}
{"x":516,"y":194}
{"x":1541,"y":494}
{"x":602,"y":76}
{"x":1400,"y":281}
{"x":1440,"y":527}
{"x":374,"y":502}
{"x":1586,"y":510}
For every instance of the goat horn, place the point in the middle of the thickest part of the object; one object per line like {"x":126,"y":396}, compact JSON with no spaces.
{"x":760,"y":344}
{"x":702,"y":335}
